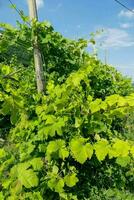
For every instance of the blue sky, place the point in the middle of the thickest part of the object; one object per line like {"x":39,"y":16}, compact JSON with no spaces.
{"x":78,"y":18}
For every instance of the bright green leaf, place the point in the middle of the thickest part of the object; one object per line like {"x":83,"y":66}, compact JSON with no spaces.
{"x":28,"y":178}
{"x":101,"y":149}
{"x":2,"y":153}
{"x":123,"y":161}
{"x":71,"y":180}
{"x":36,"y":163}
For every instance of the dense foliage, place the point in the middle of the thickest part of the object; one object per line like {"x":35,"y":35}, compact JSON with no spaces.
{"x":72,"y":142}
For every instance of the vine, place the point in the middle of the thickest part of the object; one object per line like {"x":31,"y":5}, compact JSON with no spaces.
{"x":58,"y":144}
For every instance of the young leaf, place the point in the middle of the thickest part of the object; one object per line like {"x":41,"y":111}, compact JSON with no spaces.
{"x":80,"y":150}
{"x":123,"y":161}
{"x":57,"y":146}
{"x":2,"y":153}
{"x":1,"y":196}
{"x":101,"y":149}
{"x":95,"y":106}
{"x":16,"y":187}
{"x":71,"y":180}
{"x":63,"y":153}
{"x":56,"y":185}
{"x":28,"y":178}
{"x":36,"y":163}
{"x":59,"y":186}
{"x":121,"y":148}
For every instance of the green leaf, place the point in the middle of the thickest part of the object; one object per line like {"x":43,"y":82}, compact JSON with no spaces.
{"x":113,"y":99}
{"x":1,"y":196}
{"x":28,"y":178}
{"x":47,"y":24}
{"x":89,"y":150}
{"x":50,"y":119}
{"x":59,"y":186}
{"x":52,"y":183}
{"x":57,"y":146}
{"x":2,"y":153}
{"x":63,"y":153}
{"x":13,"y":197}
{"x":25,"y":150}
{"x":16,"y":187}
{"x":46,"y":39}
{"x":52,"y":147}
{"x":52,"y":126}
{"x":78,"y":122}
{"x":56,"y":185}
{"x":16,"y":169}
{"x":80,"y":150}
{"x":95,"y":106}
{"x":55,"y":170}
{"x":6,"y":183}
{"x":71,"y":180}
{"x":120,"y":148}
{"x":76,"y":78}
{"x":132,"y":151}
{"x":123,"y":161}
{"x":36,"y":163}
{"x":6,"y":108}
{"x":103,"y":105}
{"x":14,"y":116}
{"x":101,"y":149}
{"x":42,"y":148}
{"x":10,"y":161}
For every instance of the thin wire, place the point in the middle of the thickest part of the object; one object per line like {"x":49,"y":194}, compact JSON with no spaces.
{"x":124,"y":6}
{"x":17,"y":10}
{"x":20,"y":13}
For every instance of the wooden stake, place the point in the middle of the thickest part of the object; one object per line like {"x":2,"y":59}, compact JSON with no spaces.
{"x":40,"y":80}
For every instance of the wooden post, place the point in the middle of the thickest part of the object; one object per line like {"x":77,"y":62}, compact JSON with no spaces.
{"x":40,"y":80}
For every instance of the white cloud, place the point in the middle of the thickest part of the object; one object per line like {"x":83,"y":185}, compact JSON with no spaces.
{"x":116,"y":38}
{"x":126,"y":25}
{"x":40,"y":3}
{"x":126,"y":13}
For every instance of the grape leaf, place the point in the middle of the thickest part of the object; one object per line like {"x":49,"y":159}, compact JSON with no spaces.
{"x":36,"y":163}
{"x":2,"y":153}
{"x":101,"y":149}
{"x":28,"y":178}
{"x":71,"y":180}
{"x":123,"y":161}
{"x":80,"y":150}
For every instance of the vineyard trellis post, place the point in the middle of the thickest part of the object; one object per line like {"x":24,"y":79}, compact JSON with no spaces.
{"x":40,"y":80}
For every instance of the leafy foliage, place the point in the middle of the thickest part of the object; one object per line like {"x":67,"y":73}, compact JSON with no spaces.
{"x":67,"y":144}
